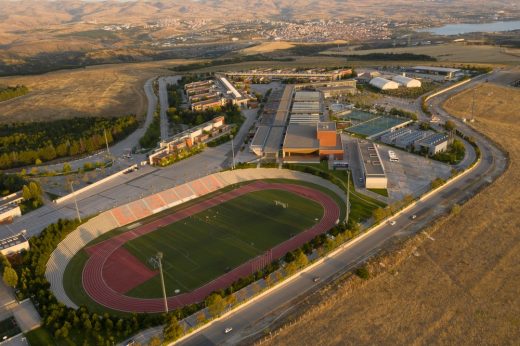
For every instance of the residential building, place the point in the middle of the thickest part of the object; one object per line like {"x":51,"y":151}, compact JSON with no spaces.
{"x":186,"y":140}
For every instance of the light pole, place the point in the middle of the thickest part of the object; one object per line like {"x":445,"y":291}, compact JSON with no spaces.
{"x":348,"y":197}
{"x":232,"y":152}
{"x":75,"y":201}
{"x":106,"y":141}
{"x":159,"y":259}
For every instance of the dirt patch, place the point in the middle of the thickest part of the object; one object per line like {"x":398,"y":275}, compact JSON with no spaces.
{"x":461,"y":288}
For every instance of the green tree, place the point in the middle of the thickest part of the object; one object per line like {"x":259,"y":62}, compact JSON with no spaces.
{"x":66,"y":168}
{"x":26,"y":193}
{"x":87,"y":324}
{"x":363,"y":273}
{"x":10,"y":277}
{"x":216,"y":304}
{"x":172,"y":329}
{"x":449,"y":125}
{"x":301,"y":260}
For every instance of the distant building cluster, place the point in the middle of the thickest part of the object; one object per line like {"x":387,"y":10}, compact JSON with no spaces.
{"x":328,"y":30}
{"x":215,"y":93}
{"x":312,"y":75}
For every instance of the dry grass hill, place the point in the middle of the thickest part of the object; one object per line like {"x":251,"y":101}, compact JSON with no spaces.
{"x":462,"y":289}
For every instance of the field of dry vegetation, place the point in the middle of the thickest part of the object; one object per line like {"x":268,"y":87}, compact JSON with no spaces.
{"x":453,"y":53}
{"x":461,"y":288}
{"x":105,"y":90}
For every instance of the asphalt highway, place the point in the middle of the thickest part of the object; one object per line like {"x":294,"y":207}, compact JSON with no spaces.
{"x":253,"y":319}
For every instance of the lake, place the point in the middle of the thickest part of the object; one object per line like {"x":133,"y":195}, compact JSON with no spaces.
{"x":456,"y":29}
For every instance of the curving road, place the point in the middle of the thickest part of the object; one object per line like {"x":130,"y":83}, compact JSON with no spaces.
{"x":251,"y":320}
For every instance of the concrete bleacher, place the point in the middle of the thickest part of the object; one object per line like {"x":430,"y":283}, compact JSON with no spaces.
{"x":133,"y":211}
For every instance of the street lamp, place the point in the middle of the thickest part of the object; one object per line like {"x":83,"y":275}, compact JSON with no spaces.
{"x":75,"y":201}
{"x":232,"y":152}
{"x":159,"y":259}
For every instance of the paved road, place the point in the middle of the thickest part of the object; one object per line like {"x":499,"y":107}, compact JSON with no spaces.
{"x":257,"y":316}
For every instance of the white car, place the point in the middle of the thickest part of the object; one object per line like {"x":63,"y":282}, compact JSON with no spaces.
{"x":227,"y":330}
{"x":392,"y":223}
{"x":414,"y":217}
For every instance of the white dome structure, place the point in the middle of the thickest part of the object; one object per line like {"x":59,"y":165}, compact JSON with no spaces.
{"x":383,"y":84}
{"x":407,"y":81}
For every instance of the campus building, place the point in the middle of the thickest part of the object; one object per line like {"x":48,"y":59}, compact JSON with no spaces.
{"x":374,"y":176}
{"x":268,"y":137}
{"x":14,"y":244}
{"x":306,"y":108}
{"x":186,"y":140}
{"x":9,"y":211}
{"x":310,"y":143}
{"x":213,"y":94}
{"x":433,"y":144}
{"x":448,"y":73}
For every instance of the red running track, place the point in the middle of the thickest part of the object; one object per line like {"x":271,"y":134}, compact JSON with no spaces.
{"x":97,"y":288}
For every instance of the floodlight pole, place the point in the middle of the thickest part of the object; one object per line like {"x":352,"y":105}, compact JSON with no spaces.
{"x":75,"y":201}
{"x":106,"y":141}
{"x":232,"y":152}
{"x":348,"y":197}
{"x":159,"y":259}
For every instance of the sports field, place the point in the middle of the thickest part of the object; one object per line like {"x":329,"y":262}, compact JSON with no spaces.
{"x":376,"y":126}
{"x":210,"y":243}
{"x":207,"y":245}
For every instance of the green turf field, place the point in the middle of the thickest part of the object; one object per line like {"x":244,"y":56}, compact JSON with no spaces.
{"x":205,"y":246}
{"x":72,"y":278}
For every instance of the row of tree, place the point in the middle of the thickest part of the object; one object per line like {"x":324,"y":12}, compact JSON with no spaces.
{"x":58,"y":319}
{"x":10,"y":183}
{"x":8,"y":93}
{"x":31,"y":143}
{"x":152,"y":134}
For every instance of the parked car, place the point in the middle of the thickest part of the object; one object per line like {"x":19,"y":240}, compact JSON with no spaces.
{"x":392,"y":223}
{"x":413,"y":217}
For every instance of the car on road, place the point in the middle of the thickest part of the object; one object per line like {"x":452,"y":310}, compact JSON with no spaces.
{"x":413,"y":217}
{"x":228,"y":330}
{"x":316,"y":279}
{"x":392,"y":222}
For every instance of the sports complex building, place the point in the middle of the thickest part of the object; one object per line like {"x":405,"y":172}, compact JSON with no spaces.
{"x":312,"y":142}
{"x":374,"y":176}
